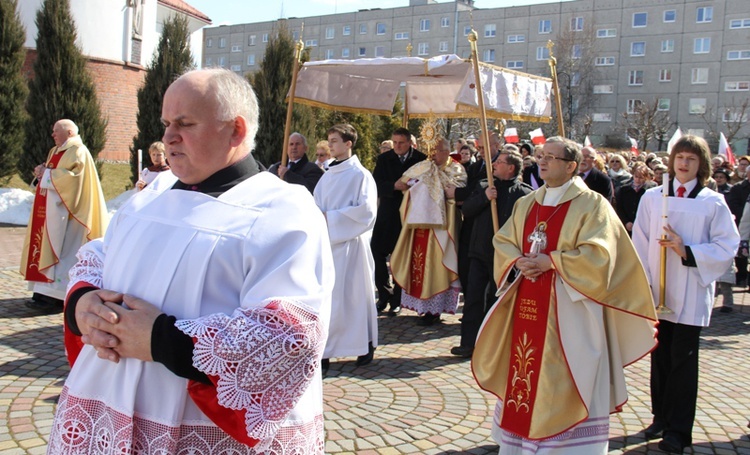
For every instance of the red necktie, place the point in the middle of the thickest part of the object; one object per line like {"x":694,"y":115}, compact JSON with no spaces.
{"x":681,"y":191}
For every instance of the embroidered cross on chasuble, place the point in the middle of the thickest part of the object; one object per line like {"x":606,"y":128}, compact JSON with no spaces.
{"x":535,"y":341}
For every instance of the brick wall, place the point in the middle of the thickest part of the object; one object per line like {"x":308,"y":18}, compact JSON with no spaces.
{"x":117,"y":87}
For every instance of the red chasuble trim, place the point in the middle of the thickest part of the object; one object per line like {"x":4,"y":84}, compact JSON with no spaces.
{"x":418,"y":261}
{"x":530,"y":315}
{"x":38,"y":218}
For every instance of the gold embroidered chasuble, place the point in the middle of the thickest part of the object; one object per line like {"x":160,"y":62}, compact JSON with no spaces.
{"x":594,"y":257}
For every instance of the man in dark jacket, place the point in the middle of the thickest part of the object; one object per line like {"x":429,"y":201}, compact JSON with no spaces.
{"x":299,"y":169}
{"x":481,"y":288}
{"x":595,"y":179}
{"x":736,"y":199}
{"x":389,"y":167}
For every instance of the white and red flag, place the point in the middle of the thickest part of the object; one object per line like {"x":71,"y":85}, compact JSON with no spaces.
{"x":677,"y":135}
{"x":537,"y":137}
{"x":726,"y":150}
{"x":511,"y":136}
{"x":587,"y":141}
{"x":634,"y":146}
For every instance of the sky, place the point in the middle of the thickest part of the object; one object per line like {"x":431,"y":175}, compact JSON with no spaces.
{"x":227,"y":12}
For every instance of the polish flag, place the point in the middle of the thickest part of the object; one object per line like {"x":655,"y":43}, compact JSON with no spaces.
{"x":634,"y":146}
{"x":726,"y":150}
{"x":537,"y":137}
{"x":587,"y":142}
{"x":675,"y":137}
{"x":511,"y":136}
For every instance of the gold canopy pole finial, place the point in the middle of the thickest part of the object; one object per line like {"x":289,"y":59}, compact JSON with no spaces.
{"x":483,"y":114}
{"x":298,"y":47}
{"x":409,"y":48}
{"x":556,"y":88}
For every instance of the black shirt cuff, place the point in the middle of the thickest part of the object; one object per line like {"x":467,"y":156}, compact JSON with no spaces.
{"x":70,"y":308}
{"x":174,"y":349}
{"x":689,"y":261}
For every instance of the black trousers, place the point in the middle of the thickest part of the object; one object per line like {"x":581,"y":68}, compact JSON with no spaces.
{"x":478,"y":298}
{"x":741,"y":276}
{"x":386,"y":291}
{"x":674,"y":378}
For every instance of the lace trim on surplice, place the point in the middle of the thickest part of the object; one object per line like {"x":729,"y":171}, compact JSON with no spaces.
{"x":89,"y":268}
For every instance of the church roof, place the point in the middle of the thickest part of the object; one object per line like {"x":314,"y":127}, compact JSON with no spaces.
{"x":183,"y":7}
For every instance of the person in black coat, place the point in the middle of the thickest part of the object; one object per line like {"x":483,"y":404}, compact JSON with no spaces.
{"x":595,"y":179}
{"x":299,"y":169}
{"x":531,"y":173}
{"x":389,"y":167}
{"x":629,"y":196}
{"x":736,"y":200}
{"x":478,"y":295}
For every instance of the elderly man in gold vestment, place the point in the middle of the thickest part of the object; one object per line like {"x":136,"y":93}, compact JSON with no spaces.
{"x":575,"y":307}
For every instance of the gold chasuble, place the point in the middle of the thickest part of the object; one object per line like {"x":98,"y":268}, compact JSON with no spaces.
{"x":520,"y":353}
{"x":425,"y":260}
{"x":73,"y":176}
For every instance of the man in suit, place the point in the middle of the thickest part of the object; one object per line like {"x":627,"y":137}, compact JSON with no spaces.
{"x":595,"y":179}
{"x":531,"y":174}
{"x":299,"y":169}
{"x":389,"y":167}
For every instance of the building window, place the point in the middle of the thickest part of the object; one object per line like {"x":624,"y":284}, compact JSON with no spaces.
{"x":329,"y":54}
{"x":346,"y":30}
{"x":697,"y":106}
{"x":699,"y":76}
{"x":606,"y":33}
{"x":467,"y":30}
{"x":704,"y":14}
{"x":209,"y":61}
{"x":380,"y":29}
{"x":634,"y":106}
{"x":490,"y":30}
{"x":311,"y":43}
{"x":576,"y":52}
{"x":514,"y":64}
{"x":742,"y":86}
{"x":739,"y":23}
{"x":738,"y":55}
{"x":576,"y":24}
{"x":423,"y":49}
{"x":488,"y":55}
{"x":363,"y":29}
{"x":443,"y":46}
{"x":222,"y":43}
{"x":222,"y":62}
{"x":330,"y":33}
{"x":667,"y":45}
{"x":701,"y":45}
{"x":516,"y":39}
{"x":345,"y":52}
{"x":665,"y":75}
{"x":601,"y":117}
{"x":638,"y":49}
{"x":604,"y":61}
{"x":603,"y":89}
{"x":236,"y":68}
{"x":635,"y":77}
{"x":670,"y":15}
{"x":362,"y":51}
{"x":401,"y":36}
{"x":379,"y":51}
{"x":210,"y":42}
{"x":545,"y":26}
{"x":542,"y":53}
{"x":732,"y":116}
{"x":424,"y":25}
{"x":251,"y":60}
{"x":640,"y":20}
{"x":264,"y":38}
{"x":236,"y":48}
{"x":251,"y":40}
{"x":663,"y":104}
{"x":445,"y":22}
{"x":576,"y":80}
{"x":295,"y":36}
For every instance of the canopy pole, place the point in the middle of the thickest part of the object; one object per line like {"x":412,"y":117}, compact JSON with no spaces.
{"x":299,"y":45}
{"x":556,"y":88}
{"x":485,"y":133}
{"x":405,"y":119}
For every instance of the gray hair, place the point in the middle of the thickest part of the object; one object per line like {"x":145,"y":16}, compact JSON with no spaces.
{"x":68,"y":125}
{"x":304,"y":139}
{"x":515,"y":159}
{"x":571,"y":150}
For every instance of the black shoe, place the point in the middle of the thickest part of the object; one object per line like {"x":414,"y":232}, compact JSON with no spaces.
{"x":672,"y":443}
{"x":654,"y":430}
{"x":380,"y":305}
{"x":462,"y":351}
{"x":324,"y":365}
{"x":367,"y":358}
{"x":725,"y":309}
{"x":394,"y":310}
{"x":428,"y":319}
{"x":44,"y":307}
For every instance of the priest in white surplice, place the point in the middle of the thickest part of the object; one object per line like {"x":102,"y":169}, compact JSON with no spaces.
{"x":702,"y":242}
{"x":205,"y":308}
{"x":348,"y":197}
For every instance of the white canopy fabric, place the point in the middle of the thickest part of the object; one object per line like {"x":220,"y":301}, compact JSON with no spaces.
{"x":443,"y":86}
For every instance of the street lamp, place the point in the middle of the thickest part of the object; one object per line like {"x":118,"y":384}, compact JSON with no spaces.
{"x":570,"y":101}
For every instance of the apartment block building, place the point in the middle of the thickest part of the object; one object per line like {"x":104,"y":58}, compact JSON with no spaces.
{"x":690,"y":57}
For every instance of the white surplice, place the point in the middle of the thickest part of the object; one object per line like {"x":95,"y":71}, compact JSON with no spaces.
{"x":706,"y":226}
{"x":249,"y":277}
{"x":348,"y":197}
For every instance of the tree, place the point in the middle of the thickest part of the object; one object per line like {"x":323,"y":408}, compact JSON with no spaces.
{"x":13,"y":90}
{"x":366,"y":125}
{"x":61,"y":88}
{"x":734,"y":118}
{"x":646,"y":123}
{"x":171,"y":58}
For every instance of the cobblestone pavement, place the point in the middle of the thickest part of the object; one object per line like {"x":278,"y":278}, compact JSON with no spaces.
{"x":414,"y":398}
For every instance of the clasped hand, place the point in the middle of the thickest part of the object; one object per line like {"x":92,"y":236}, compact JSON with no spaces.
{"x":533,"y":265}
{"x":114,"y":330}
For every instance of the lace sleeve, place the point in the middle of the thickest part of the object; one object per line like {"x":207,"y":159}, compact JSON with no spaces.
{"x":264,"y":359}
{"x":90,"y":266}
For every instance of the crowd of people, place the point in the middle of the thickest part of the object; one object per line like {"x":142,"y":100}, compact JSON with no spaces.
{"x":206,"y":316}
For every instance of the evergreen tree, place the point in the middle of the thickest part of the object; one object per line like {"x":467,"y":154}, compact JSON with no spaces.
{"x":13,"y":90}
{"x":366,"y":125}
{"x":171,"y":58}
{"x":61,"y":88}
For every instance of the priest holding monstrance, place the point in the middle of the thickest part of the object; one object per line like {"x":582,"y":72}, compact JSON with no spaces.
{"x":574,"y":309}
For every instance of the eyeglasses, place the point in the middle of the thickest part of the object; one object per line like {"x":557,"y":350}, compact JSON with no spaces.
{"x":553,"y":158}
{"x":502,"y":162}
{"x":613,"y":162}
